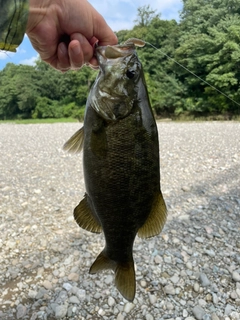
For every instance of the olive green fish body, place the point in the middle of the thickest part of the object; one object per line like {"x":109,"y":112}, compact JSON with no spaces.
{"x":122,"y":178}
{"x":121,"y":163}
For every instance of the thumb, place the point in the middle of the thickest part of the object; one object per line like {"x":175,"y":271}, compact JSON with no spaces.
{"x":103,"y":32}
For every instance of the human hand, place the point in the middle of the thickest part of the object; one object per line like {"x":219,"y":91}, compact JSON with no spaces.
{"x":64,"y":32}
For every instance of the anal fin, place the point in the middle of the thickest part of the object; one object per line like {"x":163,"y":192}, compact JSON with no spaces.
{"x":156,"y":219}
{"x":85,"y":218}
{"x":75,"y":143}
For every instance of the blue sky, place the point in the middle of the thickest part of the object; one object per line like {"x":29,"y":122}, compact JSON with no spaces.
{"x":119,"y":14}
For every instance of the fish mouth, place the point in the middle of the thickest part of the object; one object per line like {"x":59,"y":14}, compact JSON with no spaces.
{"x":115,"y":51}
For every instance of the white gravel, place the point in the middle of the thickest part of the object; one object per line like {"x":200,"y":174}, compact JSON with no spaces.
{"x":190,"y":271}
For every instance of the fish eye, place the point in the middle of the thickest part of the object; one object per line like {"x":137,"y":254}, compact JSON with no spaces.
{"x":130,"y":73}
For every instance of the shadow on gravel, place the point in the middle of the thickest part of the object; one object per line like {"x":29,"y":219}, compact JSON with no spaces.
{"x":223,"y":190}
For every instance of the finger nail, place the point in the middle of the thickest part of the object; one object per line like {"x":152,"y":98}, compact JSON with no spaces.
{"x":76,"y":50}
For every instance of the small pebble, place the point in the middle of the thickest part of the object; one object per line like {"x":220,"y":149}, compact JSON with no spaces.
{"x":233,"y":295}
{"x":109,"y":279}
{"x":167,"y":259}
{"x":67,"y":286}
{"x":73,"y":277}
{"x":214,"y":298}
{"x":202,"y":302}
{"x":236,"y":276}
{"x":74,"y":299}
{"x":189,"y":265}
{"x":32,"y":294}
{"x":204,"y":280}
{"x":81,"y":294}
{"x":169,"y":289}
{"x":111,"y":301}
{"x":120,"y":317}
{"x":21,"y":311}
{"x":61,"y":311}
{"x":149,"y":317}
{"x":185,"y":313}
{"x":128,"y":307}
{"x":235,"y":315}
{"x":143,"y":283}
{"x":196,"y":287}
{"x":199,"y":239}
{"x":47,"y":284}
{"x":174,"y":279}
{"x":198,"y":312}
{"x":152,"y":298}
{"x":228,"y":309}
{"x":214,"y":316}
{"x":169,"y":306}
{"x":158,"y":259}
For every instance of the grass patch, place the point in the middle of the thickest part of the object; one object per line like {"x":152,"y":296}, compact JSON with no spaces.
{"x":30,"y":121}
{"x":184,"y":117}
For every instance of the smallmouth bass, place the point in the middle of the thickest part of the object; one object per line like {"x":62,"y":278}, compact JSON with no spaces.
{"x":121,"y":163}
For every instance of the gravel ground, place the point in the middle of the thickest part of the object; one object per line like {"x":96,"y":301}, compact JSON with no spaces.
{"x":190,"y":271}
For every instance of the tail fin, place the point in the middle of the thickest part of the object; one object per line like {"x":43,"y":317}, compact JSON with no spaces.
{"x":124,"y":274}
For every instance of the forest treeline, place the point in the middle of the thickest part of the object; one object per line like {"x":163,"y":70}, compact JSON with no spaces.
{"x":206,"y":41}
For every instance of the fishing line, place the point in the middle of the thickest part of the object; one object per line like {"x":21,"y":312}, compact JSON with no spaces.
{"x":6,"y":53}
{"x":195,"y":75}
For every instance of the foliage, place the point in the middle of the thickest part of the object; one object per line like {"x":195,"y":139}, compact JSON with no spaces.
{"x":206,"y":41}
{"x":209,"y":46}
{"x":145,"y":16}
{"x":42,"y":92}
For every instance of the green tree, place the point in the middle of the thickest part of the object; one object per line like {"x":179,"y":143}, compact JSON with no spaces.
{"x":209,"y":46}
{"x":45,"y":108}
{"x":18,"y":91}
{"x":42,"y":92}
{"x":145,"y":15}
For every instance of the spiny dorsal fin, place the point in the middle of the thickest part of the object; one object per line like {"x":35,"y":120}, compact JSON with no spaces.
{"x":75,"y":143}
{"x":155,"y":220}
{"x":85,"y":218}
{"x":124,"y":274}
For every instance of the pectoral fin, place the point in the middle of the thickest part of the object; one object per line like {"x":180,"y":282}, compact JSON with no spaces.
{"x":75,"y":143}
{"x":155,"y":220}
{"x":85,"y":218}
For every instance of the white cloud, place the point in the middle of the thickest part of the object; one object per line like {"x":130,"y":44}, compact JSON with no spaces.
{"x":5,"y":55}
{"x":120,"y":14}
{"x":20,"y":50}
{"x":30,"y":62}
{"x":117,"y":25}
{"x":161,"y":5}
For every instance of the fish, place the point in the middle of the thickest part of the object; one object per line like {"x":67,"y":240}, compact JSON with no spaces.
{"x":121,"y":166}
